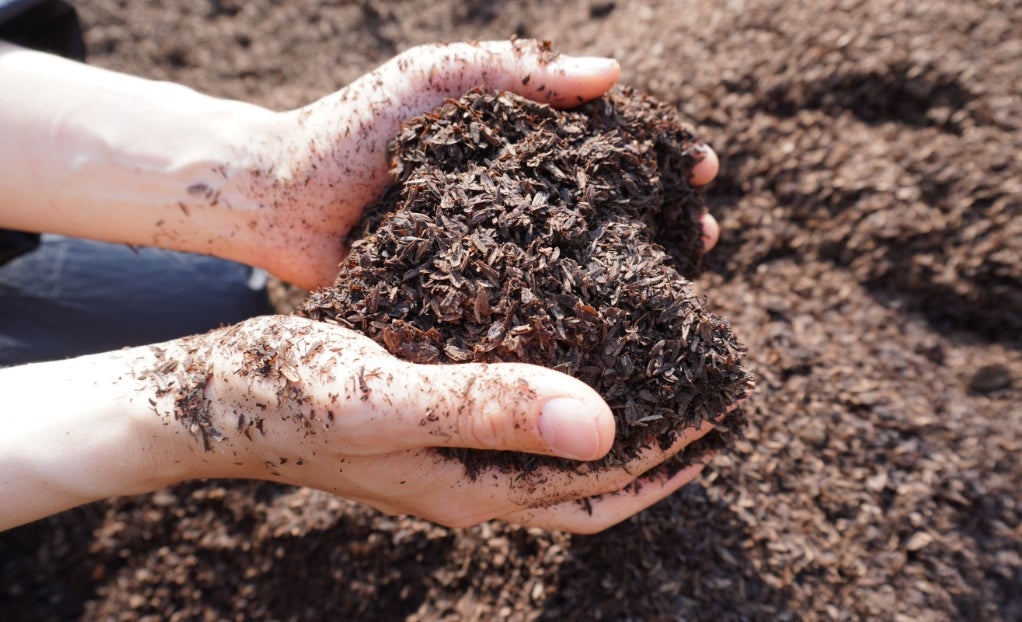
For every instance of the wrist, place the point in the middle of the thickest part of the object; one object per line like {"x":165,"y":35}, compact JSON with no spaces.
{"x":98,"y":154}
{"x":82,"y":429}
{"x":222,"y":190}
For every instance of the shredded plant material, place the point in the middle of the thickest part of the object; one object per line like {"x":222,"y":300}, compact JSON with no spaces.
{"x":516,"y":232}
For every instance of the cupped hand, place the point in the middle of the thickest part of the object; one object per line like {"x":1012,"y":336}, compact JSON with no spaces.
{"x":325,"y":162}
{"x":312,"y":404}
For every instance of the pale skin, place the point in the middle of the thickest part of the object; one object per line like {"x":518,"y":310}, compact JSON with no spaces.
{"x":101,"y":155}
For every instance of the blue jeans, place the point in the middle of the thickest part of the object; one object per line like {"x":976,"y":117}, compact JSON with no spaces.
{"x":71,"y":297}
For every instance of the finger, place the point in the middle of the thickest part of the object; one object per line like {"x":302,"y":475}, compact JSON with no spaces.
{"x":507,"y":407}
{"x":711,"y":231}
{"x":706,"y":169}
{"x":544,"y":498}
{"x":411,"y":479}
{"x":423,"y":77}
{"x":703,"y":173}
{"x":599,"y":513}
{"x":547,"y":486}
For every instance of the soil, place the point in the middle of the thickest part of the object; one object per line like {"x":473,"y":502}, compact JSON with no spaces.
{"x":871,"y":260}
{"x":519,"y":233}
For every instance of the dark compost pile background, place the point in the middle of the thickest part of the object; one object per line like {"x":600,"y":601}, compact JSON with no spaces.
{"x":871,"y":260}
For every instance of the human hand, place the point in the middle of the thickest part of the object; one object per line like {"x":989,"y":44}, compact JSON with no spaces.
{"x":311,"y":404}
{"x":226,"y":178}
{"x":327,"y":161}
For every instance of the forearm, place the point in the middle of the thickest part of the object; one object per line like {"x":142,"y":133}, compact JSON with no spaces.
{"x":97,"y":154}
{"x":84,"y":429}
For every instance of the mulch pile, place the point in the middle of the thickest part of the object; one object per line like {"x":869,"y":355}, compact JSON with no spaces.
{"x":518,"y":233}
{"x":871,"y":261}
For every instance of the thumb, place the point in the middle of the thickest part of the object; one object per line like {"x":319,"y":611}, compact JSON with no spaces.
{"x":421,"y":78}
{"x":499,"y":406}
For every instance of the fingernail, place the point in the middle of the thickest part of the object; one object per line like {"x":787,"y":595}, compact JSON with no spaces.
{"x":569,"y":427}
{"x":587,"y":65}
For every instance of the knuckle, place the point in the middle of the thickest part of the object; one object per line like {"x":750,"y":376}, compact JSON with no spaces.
{"x":485,"y":427}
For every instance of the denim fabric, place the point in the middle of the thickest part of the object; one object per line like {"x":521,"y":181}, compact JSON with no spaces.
{"x":72,"y":297}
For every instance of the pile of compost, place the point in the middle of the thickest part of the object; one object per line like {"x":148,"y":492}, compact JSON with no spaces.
{"x":870,"y":258}
{"x":519,"y":233}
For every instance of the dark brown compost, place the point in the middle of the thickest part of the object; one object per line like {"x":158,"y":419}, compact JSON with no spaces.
{"x":517,"y":232}
{"x":870,"y":201}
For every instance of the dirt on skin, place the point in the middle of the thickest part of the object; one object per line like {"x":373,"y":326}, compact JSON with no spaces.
{"x":871,"y":256}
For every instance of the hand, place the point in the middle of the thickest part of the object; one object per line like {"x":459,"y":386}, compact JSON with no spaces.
{"x":82,"y":155}
{"x":330,"y":157}
{"x":311,"y":404}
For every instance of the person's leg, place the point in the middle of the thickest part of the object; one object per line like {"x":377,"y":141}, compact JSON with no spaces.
{"x":70,"y":297}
